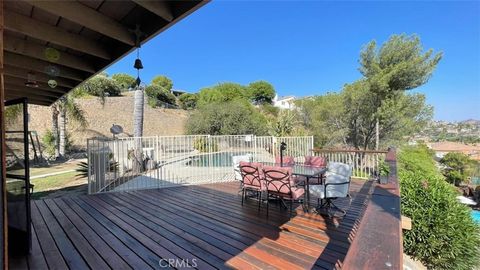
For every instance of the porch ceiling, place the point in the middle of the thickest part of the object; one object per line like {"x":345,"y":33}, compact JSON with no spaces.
{"x":89,"y":35}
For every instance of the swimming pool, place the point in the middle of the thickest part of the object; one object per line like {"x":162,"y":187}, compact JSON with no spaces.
{"x":222,"y":159}
{"x":476,"y":215}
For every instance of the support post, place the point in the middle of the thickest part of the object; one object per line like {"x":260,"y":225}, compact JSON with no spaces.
{"x":3,"y":172}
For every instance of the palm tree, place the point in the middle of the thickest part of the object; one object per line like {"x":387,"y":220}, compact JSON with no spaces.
{"x":65,"y":108}
{"x":138,"y":111}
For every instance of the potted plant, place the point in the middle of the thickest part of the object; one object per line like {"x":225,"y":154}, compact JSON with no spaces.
{"x":384,"y":171}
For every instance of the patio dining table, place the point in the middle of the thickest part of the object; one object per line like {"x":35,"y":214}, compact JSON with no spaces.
{"x":305,"y":171}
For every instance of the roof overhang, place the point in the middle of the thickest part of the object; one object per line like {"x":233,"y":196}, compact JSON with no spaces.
{"x":71,"y":41}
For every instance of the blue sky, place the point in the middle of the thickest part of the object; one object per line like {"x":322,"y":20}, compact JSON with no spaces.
{"x":309,"y":48}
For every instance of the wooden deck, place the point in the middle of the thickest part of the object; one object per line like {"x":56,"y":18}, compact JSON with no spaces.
{"x":205,"y":226}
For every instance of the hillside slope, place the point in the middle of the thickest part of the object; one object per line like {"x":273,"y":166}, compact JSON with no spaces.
{"x":117,"y":110}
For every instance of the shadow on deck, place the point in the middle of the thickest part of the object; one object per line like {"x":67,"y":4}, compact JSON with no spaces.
{"x":202,"y":227}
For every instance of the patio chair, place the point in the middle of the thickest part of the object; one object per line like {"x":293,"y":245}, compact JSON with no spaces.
{"x":280,"y":184}
{"x":336,"y":185}
{"x":252,"y":179}
{"x":287,"y":161}
{"x":318,"y":162}
{"x":236,"y":167}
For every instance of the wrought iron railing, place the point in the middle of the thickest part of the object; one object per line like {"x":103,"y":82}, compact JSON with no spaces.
{"x":164,"y":161}
{"x":365,"y":163}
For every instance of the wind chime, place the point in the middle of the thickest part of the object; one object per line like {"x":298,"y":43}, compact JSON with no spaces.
{"x":138,"y":63}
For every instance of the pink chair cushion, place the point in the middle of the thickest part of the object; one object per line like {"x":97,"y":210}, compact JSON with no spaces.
{"x":315,"y":161}
{"x":279,"y":179}
{"x":252,"y":175}
{"x":287,"y":160}
{"x":297,"y":192}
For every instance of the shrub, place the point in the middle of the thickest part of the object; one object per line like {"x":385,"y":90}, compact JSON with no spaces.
{"x":383,"y":168}
{"x":443,"y":235}
{"x":124,"y":81}
{"x":223,"y":92}
{"x":99,"y":86}
{"x":188,"y":101}
{"x":458,"y":167}
{"x":229,"y":118}
{"x":48,"y":142}
{"x":157,"y":93}
{"x":204,"y":145}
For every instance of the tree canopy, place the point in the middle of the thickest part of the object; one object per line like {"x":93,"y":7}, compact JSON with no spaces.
{"x":158,"y":95}
{"x":261,"y":92}
{"x":351,"y":117}
{"x":399,"y":64}
{"x":100,"y":86}
{"x":124,"y":81}
{"x":223,"y":92}
{"x":163,"y":81}
{"x":227,"y":118}
{"x":458,"y":167}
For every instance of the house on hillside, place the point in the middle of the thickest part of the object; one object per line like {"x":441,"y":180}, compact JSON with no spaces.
{"x":443,"y":148}
{"x":287,"y":102}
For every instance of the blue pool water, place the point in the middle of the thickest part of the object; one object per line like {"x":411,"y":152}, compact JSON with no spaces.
{"x":221,"y":159}
{"x":476,"y":215}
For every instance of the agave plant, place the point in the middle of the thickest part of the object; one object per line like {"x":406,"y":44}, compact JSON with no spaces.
{"x":82,"y":170}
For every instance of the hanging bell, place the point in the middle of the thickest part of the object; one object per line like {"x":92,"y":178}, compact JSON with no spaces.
{"x":138,"y":64}
{"x":31,"y":80}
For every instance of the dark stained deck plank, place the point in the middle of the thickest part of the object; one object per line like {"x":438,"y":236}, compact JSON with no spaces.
{"x":158,"y":233}
{"x":87,"y":251}
{"x":206,"y":224}
{"x":69,"y":252}
{"x":115,"y":243}
{"x":52,"y":255}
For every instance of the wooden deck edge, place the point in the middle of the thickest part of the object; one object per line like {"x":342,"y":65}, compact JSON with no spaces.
{"x":378,"y":243}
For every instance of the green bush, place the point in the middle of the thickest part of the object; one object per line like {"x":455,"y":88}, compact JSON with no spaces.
{"x":157,"y":93}
{"x":48,"y":143}
{"x":458,"y":167}
{"x":124,"y":81}
{"x":101,"y":86}
{"x":228,"y":118}
{"x":223,"y":92}
{"x":443,"y":235}
{"x":204,"y":145}
{"x":188,"y":101}
{"x":384,"y":168}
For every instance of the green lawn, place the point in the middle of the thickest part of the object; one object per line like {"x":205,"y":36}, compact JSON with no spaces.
{"x":63,"y":183}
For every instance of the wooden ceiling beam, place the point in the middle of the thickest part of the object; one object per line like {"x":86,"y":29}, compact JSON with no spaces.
{"x":30,"y":91}
{"x":25,"y":25}
{"x":30,"y":96}
{"x":160,"y":8}
{"x":31,"y":100}
{"x":41,"y":86}
{"x":21,"y":61}
{"x":88,"y":17}
{"x":23,"y":74}
{"x":23,"y":47}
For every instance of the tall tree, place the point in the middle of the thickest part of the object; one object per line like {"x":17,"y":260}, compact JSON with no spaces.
{"x":398,"y":65}
{"x":138,"y":113}
{"x":65,"y":108}
{"x":261,"y":92}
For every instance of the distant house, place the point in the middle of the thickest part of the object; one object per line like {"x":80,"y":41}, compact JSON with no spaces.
{"x":443,"y":148}
{"x":287,"y":102}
